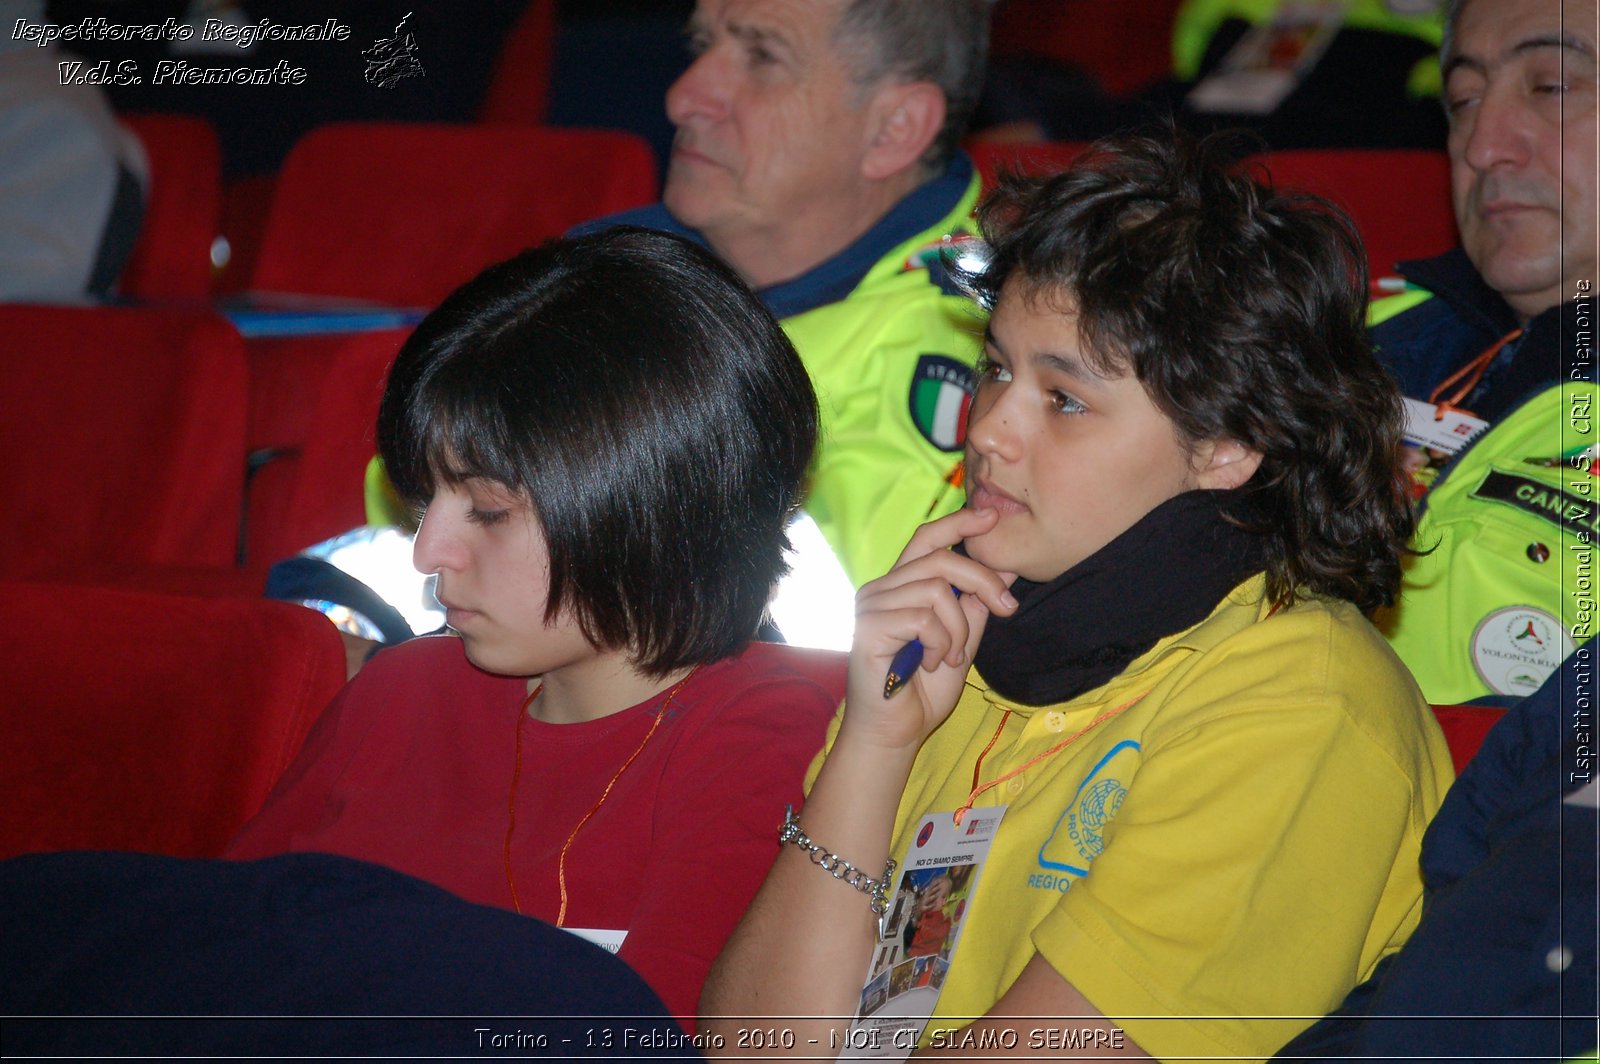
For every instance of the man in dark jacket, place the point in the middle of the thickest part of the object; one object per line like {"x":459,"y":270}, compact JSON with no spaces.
{"x":1494,"y":349}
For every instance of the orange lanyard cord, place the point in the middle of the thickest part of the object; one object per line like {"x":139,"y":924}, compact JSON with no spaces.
{"x":978,"y":788}
{"x":977,"y":766}
{"x":561,"y":860}
{"x":1472,"y":373}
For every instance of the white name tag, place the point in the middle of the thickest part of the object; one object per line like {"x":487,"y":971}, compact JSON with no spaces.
{"x":1448,"y":434}
{"x":1271,"y":59}
{"x":606,"y":939}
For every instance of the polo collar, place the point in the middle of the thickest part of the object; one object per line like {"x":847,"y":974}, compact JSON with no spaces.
{"x":832,"y":280}
{"x":1452,"y":278}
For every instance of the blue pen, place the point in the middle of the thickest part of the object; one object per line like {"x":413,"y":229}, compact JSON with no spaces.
{"x":905,"y":663}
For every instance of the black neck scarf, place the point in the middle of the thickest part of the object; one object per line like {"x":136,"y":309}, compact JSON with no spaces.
{"x":1165,"y":574}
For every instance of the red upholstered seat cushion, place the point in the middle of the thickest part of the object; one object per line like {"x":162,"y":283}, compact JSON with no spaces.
{"x":1464,"y":728}
{"x":402,"y":213}
{"x":182,"y":210}
{"x":124,"y":438}
{"x":151,"y":722}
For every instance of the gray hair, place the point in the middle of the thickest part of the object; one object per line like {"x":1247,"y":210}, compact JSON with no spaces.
{"x":945,"y":42}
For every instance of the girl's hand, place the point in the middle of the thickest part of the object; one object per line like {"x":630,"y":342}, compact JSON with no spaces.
{"x":914,"y":601}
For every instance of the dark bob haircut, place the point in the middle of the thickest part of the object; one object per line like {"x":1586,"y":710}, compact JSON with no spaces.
{"x":649,"y":408}
{"x":1240,"y":309}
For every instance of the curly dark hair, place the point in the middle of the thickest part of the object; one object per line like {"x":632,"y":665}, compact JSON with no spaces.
{"x":1240,"y":308}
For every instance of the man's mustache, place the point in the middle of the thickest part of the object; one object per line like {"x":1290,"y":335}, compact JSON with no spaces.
{"x":1514,"y":189}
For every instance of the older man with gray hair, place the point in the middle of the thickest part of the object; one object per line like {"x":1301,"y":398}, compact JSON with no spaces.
{"x":816,"y":152}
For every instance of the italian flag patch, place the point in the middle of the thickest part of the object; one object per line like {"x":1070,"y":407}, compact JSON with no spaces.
{"x":941,"y":394}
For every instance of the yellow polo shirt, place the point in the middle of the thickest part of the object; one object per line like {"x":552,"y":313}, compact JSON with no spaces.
{"x":1221,"y":860}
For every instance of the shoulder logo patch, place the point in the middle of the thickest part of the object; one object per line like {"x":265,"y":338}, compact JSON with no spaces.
{"x":1078,"y":836}
{"x":939,"y":399}
{"x":1517,"y":648}
{"x":933,"y":252}
{"x":964,"y":253}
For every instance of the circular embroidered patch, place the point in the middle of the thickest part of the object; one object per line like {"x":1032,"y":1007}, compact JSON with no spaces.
{"x":1086,"y":825}
{"x":1517,"y":648}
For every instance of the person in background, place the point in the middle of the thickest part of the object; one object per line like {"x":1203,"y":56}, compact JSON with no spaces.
{"x":606,"y":438}
{"x":1353,"y":74}
{"x":72,"y":180}
{"x":1493,"y":347}
{"x":817,"y":154}
{"x":1194,"y":776}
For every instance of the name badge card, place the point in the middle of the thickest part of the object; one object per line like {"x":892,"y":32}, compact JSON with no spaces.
{"x":1432,"y":440}
{"x":1447,"y":434}
{"x":920,"y":931}
{"x":1270,"y":60}
{"x":605,"y":938}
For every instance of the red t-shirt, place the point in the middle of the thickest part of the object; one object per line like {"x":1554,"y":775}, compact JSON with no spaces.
{"x":411,"y":767}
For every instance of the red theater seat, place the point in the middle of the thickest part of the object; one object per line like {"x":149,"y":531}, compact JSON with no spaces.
{"x":1125,"y":45}
{"x":314,"y":408}
{"x":124,"y":437}
{"x":519,"y":89}
{"x":398,"y":214}
{"x":1464,"y":728}
{"x":151,"y":722}
{"x":1400,"y":199}
{"x":182,"y":211}
{"x":1028,"y":157}
{"x":402,"y":214}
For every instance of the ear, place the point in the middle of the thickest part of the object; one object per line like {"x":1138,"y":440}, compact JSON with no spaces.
{"x":905,"y":118}
{"x":1224,"y":464}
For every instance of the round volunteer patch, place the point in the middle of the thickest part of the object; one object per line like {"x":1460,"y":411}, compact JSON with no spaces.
{"x":1517,"y":648}
{"x":940,"y":396}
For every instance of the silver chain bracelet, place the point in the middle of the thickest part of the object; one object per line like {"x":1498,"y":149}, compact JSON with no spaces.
{"x":877,"y":890}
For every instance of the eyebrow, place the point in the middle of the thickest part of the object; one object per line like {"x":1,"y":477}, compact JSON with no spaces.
{"x":1073,"y":367}
{"x":1540,"y":42}
{"x":748,"y":34}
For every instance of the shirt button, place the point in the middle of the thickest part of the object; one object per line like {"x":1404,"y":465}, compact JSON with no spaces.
{"x":1015,"y":785}
{"x":1055,"y":720}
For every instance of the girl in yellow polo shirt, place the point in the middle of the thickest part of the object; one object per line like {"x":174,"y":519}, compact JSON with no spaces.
{"x":1189,"y":776}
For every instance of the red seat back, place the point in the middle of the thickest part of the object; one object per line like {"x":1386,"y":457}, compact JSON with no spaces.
{"x":402,"y":213}
{"x":1399,"y":199}
{"x":519,"y":88}
{"x":182,"y":210}
{"x":1464,"y":728}
{"x":315,"y":405}
{"x":1027,"y":157}
{"x":124,"y":437}
{"x":151,"y":722}
{"x":1125,"y":45}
